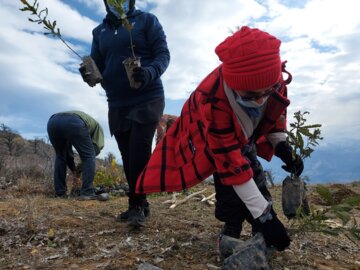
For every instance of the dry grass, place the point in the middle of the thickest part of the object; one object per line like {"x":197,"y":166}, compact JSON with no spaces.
{"x":86,"y":235}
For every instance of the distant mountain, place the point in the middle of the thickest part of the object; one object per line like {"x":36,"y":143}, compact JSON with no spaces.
{"x":331,"y":164}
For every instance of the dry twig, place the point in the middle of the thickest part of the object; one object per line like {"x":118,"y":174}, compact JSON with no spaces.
{"x":176,"y":203}
{"x":209,"y":199}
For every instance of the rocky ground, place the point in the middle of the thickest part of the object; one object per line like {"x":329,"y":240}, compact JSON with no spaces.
{"x":39,"y":232}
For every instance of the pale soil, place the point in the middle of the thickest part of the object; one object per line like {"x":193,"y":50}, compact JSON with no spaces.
{"x":86,"y":235}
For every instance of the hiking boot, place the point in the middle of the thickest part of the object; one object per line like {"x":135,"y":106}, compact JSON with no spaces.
{"x":124,"y":216}
{"x":136,"y":217}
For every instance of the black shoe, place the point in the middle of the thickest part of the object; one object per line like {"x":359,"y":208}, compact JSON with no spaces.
{"x":136,"y":217}
{"x":124,"y":216}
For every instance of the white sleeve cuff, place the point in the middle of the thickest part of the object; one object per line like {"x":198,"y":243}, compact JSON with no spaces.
{"x":276,"y":137}
{"x":252,"y":197}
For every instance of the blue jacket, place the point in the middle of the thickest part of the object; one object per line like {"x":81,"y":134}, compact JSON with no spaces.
{"x":111,"y":46}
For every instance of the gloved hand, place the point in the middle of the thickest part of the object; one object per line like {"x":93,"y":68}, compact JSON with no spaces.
{"x":141,"y":75}
{"x":273,"y":230}
{"x":293,"y":165}
{"x":86,"y":76}
{"x":89,"y":71}
{"x":76,"y":182}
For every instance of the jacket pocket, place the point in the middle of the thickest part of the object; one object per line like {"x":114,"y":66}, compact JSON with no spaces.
{"x":184,"y":151}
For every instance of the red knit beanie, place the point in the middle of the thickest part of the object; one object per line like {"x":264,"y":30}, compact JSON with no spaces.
{"x":251,"y":59}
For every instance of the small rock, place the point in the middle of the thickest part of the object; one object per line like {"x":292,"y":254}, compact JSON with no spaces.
{"x":118,"y":192}
{"x":103,"y":197}
{"x":212,"y":267}
{"x":158,"y":260}
{"x":147,"y":266}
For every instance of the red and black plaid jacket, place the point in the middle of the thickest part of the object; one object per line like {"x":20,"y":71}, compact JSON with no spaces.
{"x":207,"y":137}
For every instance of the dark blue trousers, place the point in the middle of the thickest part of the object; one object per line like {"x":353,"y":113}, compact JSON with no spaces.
{"x":67,"y":130}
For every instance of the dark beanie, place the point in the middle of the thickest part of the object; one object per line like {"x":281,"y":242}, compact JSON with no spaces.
{"x":251,"y":59}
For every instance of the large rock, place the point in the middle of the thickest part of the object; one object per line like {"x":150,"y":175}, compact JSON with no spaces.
{"x":251,"y":254}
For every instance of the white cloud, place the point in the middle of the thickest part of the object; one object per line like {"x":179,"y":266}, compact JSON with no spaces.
{"x":96,"y":5}
{"x":320,"y":40}
{"x":193,"y":31}
{"x":39,"y":74}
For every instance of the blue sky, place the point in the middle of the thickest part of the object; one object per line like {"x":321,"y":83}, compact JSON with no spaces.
{"x":320,"y":42}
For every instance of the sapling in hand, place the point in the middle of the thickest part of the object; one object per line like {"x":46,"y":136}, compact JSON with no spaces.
{"x":131,"y":62}
{"x":302,"y":139}
{"x":88,"y":68}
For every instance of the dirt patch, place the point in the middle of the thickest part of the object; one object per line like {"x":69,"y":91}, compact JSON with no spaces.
{"x":339,"y":192}
{"x":37,"y":232}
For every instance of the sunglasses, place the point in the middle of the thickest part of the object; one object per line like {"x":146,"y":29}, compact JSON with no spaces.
{"x":251,"y":96}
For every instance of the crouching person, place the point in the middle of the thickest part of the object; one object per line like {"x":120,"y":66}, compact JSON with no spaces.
{"x":237,"y":112}
{"x":78,"y":129}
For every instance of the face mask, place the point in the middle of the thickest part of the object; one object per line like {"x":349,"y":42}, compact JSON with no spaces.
{"x":250,"y":103}
{"x":126,"y":6}
{"x":114,"y":11}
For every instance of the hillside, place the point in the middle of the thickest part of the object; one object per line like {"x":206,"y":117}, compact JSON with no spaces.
{"x":39,"y":232}
{"x":23,"y":161}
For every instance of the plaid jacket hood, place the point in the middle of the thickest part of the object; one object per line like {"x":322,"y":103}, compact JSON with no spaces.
{"x":207,"y":137}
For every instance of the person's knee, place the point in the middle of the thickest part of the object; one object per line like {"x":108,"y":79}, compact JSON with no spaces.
{"x":87,"y":154}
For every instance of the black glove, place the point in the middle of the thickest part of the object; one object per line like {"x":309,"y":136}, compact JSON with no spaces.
{"x":273,"y":231}
{"x":141,"y":75}
{"x":293,"y":165}
{"x":89,"y":71}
